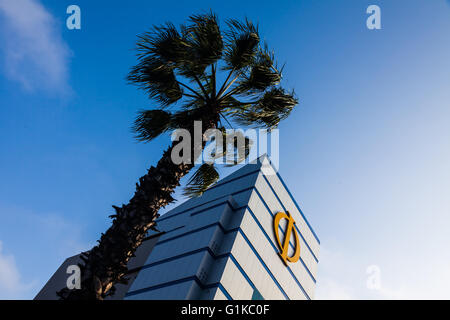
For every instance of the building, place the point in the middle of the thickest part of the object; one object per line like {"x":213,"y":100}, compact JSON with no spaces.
{"x":227,"y":244}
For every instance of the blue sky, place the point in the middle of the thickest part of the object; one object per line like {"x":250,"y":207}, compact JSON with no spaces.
{"x":366,"y":153}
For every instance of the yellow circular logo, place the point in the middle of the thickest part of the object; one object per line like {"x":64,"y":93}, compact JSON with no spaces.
{"x":284,"y":247}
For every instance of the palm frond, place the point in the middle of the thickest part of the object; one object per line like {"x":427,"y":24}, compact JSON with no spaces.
{"x":157,"y":79}
{"x":204,"y":43}
{"x":275,"y":105}
{"x":241,"y":44}
{"x":262,"y":74}
{"x":209,"y":78}
{"x":149,"y":124}
{"x":163,"y":43}
{"x":230,"y":104}
{"x":185,"y":118}
{"x":205,"y":176}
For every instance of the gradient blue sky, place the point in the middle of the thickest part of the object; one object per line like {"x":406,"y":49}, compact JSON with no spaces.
{"x":366,"y":154}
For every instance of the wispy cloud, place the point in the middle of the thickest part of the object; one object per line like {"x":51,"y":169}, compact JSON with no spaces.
{"x":46,"y":239}
{"x":34,"y":53}
{"x":11,"y":285}
{"x":332,"y":283}
{"x":333,"y":290}
{"x":343,"y":275}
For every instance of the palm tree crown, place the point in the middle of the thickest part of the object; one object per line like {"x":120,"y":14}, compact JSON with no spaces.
{"x":178,"y":68}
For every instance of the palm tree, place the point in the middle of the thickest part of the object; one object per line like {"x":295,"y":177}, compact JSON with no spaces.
{"x":178,"y":69}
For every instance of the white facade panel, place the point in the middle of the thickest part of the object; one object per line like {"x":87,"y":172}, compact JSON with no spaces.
{"x":256,"y":272}
{"x":219,"y":296}
{"x":273,"y":207}
{"x":290,"y":206}
{"x":234,"y":282}
{"x":269,"y":255}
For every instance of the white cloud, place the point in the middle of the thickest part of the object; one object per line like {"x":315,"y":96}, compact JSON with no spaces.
{"x":342,"y":274}
{"x":42,"y":241}
{"x":11,"y":285}
{"x":332,"y":290}
{"x":34,"y":53}
{"x":418,"y":280}
{"x":333,"y":281}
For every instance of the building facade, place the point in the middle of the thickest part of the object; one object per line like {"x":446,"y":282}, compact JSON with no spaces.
{"x":227,"y":244}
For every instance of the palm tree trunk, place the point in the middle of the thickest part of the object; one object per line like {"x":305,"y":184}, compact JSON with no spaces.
{"x":106,"y":264}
